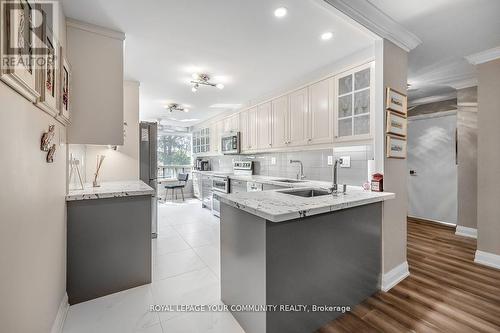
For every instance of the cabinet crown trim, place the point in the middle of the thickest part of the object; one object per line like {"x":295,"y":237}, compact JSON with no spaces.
{"x":76,"y":24}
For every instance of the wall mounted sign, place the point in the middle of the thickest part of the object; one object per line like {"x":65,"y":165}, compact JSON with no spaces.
{"x":397,"y":124}
{"x":396,"y":101}
{"x":396,"y":147}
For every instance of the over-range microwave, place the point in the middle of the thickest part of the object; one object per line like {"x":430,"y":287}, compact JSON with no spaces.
{"x":230,"y":143}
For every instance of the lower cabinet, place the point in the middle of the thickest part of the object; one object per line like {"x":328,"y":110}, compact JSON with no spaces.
{"x":197,"y":185}
{"x":206,"y":191}
{"x":98,"y":225}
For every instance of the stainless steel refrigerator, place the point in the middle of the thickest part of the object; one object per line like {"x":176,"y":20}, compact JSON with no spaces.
{"x":148,"y":165}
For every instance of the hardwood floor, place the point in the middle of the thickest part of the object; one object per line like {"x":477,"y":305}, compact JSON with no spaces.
{"x":445,"y":292}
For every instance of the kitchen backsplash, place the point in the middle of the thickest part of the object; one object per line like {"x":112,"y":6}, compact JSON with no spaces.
{"x":315,"y":164}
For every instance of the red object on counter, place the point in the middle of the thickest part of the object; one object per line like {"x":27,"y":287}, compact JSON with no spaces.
{"x":378,"y":182}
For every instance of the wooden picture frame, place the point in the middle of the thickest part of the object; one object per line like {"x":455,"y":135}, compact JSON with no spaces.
{"x":396,"y":101}
{"x":396,"y":147}
{"x":397,"y":124}
{"x":49,"y":80}
{"x":18,"y":30}
{"x":65,"y":92}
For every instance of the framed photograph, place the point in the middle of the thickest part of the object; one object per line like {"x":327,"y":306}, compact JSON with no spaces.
{"x":49,"y":80}
{"x":396,"y":124}
{"x":20,"y":44}
{"x":396,"y":101}
{"x":396,"y":147}
{"x":65,"y":91}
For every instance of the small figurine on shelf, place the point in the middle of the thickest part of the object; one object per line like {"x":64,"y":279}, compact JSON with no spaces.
{"x":100,"y":159}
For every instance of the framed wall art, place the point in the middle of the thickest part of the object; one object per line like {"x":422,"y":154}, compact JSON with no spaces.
{"x":65,"y":91}
{"x":49,"y":81}
{"x":396,"y":101}
{"x":20,"y":44}
{"x":396,"y":147}
{"x":397,"y":124}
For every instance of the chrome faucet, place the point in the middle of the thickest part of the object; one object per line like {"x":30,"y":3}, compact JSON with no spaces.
{"x":335,"y":185}
{"x":301,"y":174}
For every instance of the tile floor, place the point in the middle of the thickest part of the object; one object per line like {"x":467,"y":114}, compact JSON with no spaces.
{"x":186,"y":269}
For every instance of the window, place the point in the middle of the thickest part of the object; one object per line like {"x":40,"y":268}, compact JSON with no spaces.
{"x":174,"y":154}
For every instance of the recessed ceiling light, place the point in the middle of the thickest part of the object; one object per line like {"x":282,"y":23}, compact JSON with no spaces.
{"x":327,"y":35}
{"x":280,"y":12}
{"x":220,"y":86}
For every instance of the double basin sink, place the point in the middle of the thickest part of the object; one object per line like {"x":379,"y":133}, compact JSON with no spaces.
{"x":300,"y":192}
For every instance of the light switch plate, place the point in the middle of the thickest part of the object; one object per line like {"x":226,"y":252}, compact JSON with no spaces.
{"x":330,"y":160}
{"x":273,"y":160}
{"x":345,"y":162}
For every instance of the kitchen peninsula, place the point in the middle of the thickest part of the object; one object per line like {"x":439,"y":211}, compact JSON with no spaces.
{"x":299,"y":246}
{"x":109,"y":239}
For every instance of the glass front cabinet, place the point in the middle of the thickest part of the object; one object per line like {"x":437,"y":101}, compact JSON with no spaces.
{"x":354,"y":107}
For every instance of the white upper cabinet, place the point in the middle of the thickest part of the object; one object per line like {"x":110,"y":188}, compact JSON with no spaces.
{"x":299,"y":118}
{"x":321,"y":112}
{"x":215,"y":130}
{"x":252,"y":129}
{"x":244,"y":130}
{"x":96,"y":58}
{"x":264,"y":126}
{"x":353,"y":111}
{"x":280,"y":122}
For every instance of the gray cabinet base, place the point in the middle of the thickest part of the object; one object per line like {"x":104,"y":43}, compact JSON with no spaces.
{"x":109,"y":246}
{"x":329,"y":259}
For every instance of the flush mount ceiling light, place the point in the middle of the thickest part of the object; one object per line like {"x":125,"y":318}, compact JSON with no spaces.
{"x":176,"y":107}
{"x":203,"y":80}
{"x":280,"y":12}
{"x":327,"y":35}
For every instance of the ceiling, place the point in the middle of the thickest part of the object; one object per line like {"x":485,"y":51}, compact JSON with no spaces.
{"x":238,"y":43}
{"x":450,"y":30}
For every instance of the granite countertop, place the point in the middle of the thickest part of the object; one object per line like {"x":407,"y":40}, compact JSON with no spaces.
{"x":279,"y":207}
{"x":116,"y":189}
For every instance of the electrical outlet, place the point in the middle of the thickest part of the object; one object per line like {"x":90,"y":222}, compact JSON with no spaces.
{"x":330,"y":160}
{"x":345,"y":162}
{"x":273,"y":160}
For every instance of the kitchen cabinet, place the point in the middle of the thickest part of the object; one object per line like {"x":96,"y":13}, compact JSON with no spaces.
{"x":299,"y":118}
{"x":244,"y":130}
{"x":197,"y":181}
{"x":264,"y":126}
{"x":201,"y":141}
{"x":353,"y":111}
{"x":320,"y":118}
{"x":237,"y":186}
{"x":215,"y":130}
{"x":96,"y":58}
{"x":231,"y":124}
{"x":248,"y":126}
{"x":206,"y":191}
{"x":280,"y":122}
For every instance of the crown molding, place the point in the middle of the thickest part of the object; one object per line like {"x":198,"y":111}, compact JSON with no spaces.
{"x":95,"y":29}
{"x":465,"y":83}
{"x":484,"y":56}
{"x":377,"y":21}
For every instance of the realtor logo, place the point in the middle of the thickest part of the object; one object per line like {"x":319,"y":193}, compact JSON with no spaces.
{"x":28,"y":30}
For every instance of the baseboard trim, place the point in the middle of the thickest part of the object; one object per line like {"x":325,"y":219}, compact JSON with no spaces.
{"x":449,"y":224}
{"x":487,"y":259}
{"x":57,"y":326}
{"x":394,"y":276}
{"x":466,"y":232}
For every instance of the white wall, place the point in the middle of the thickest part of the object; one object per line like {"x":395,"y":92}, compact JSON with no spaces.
{"x":123,"y":163}
{"x":32,"y":218}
